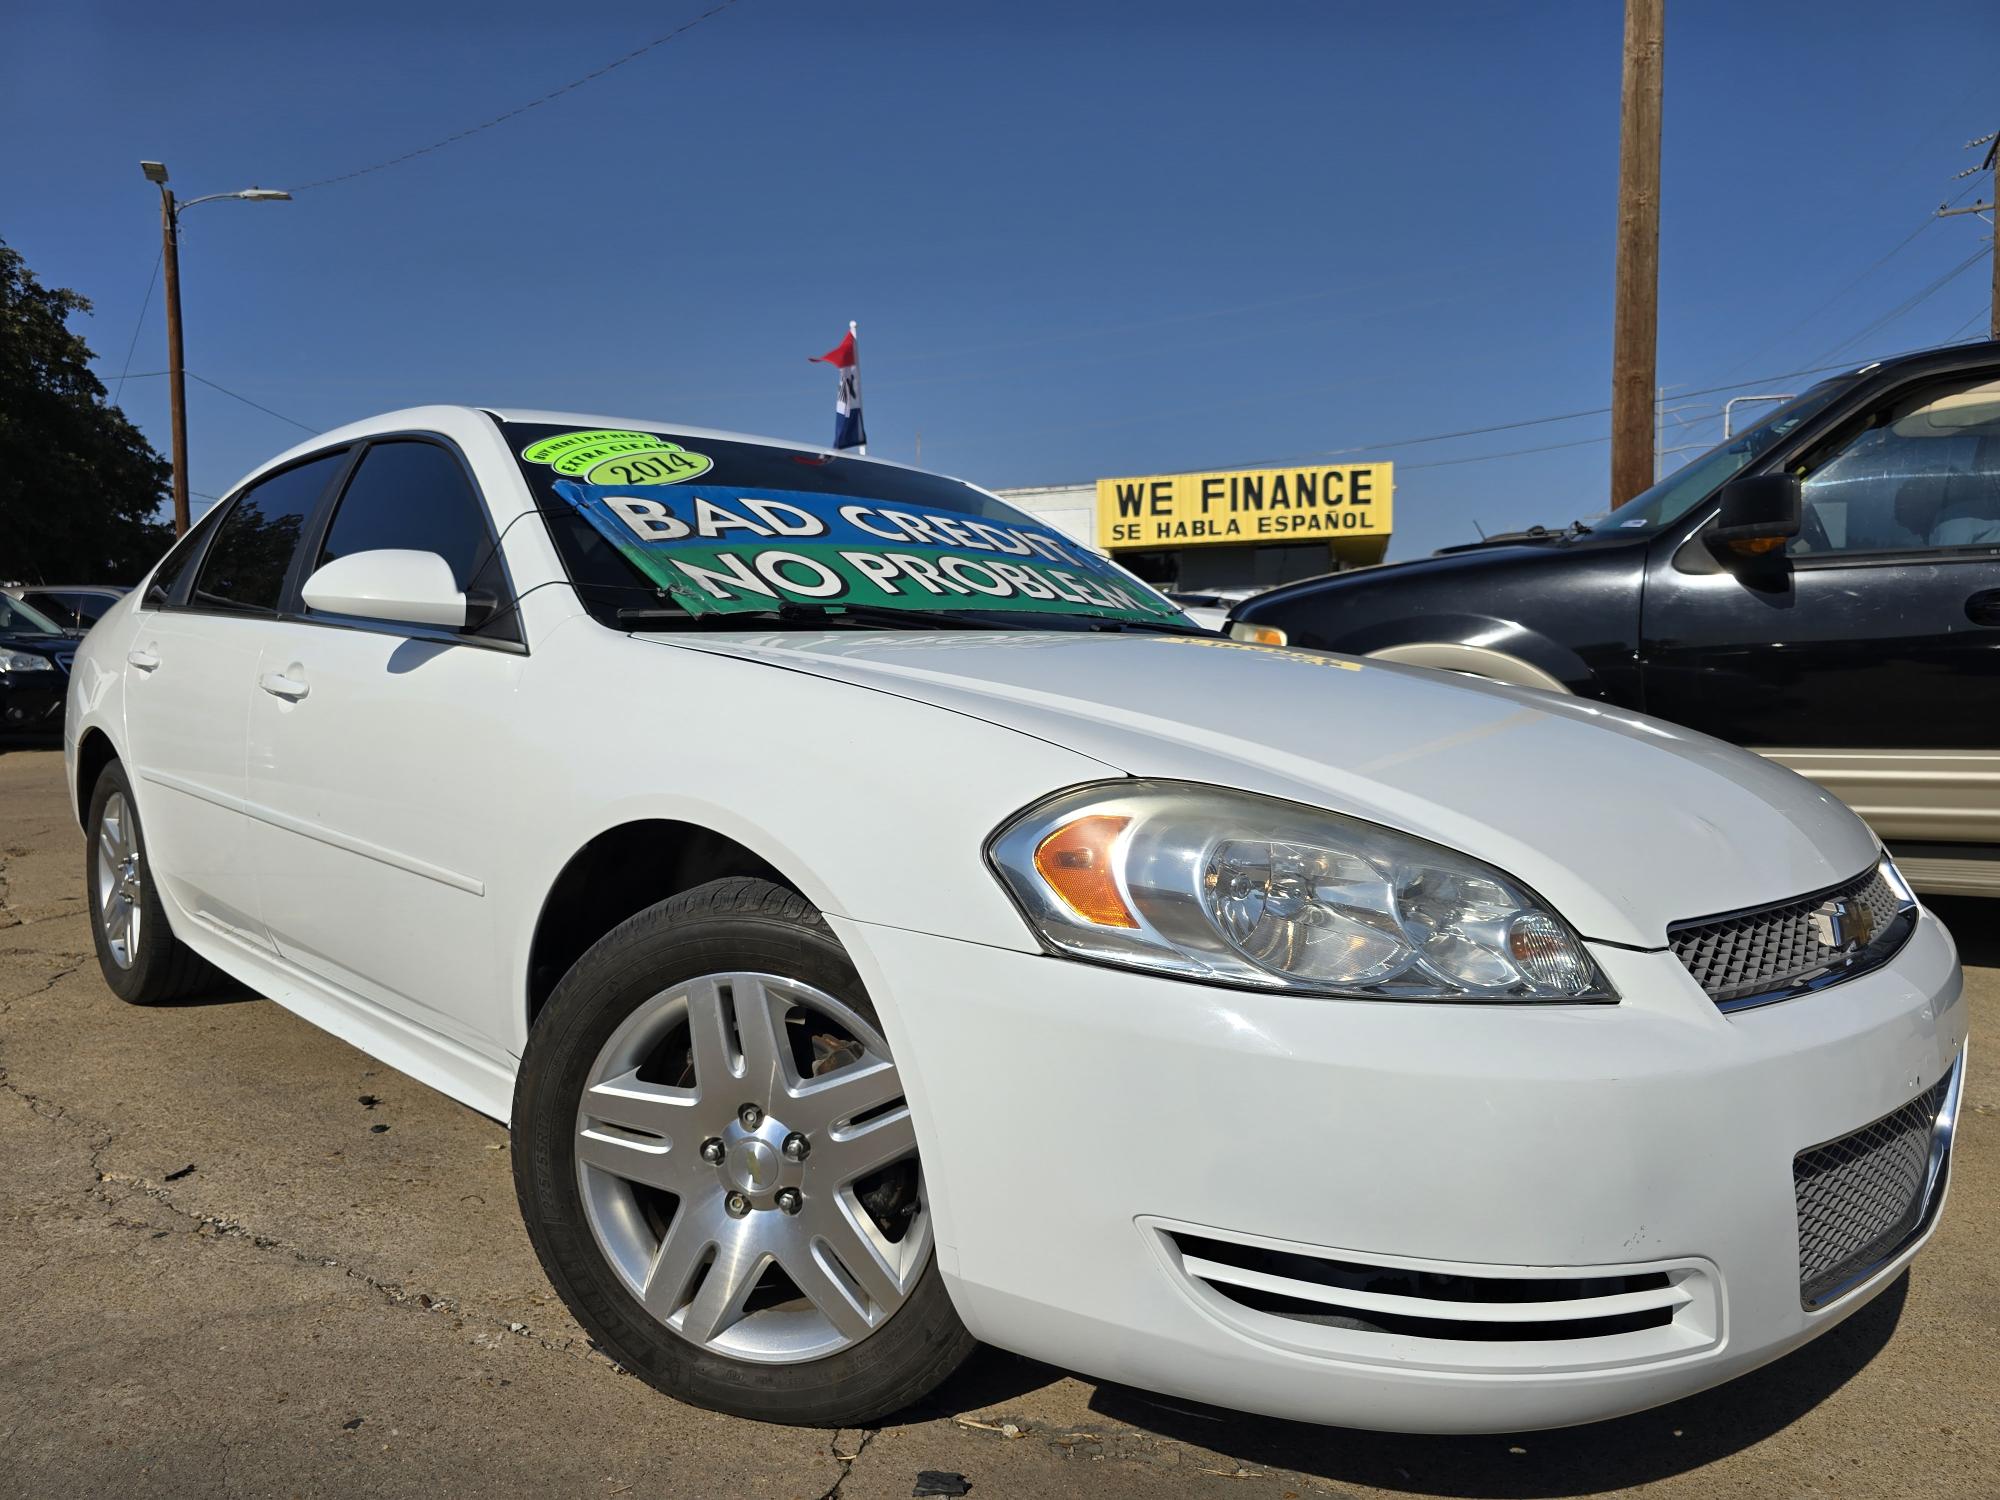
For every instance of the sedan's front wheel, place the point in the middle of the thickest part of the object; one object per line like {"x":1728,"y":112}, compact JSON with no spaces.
{"x":719,"y":1171}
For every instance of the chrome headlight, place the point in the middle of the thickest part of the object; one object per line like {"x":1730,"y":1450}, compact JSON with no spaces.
{"x":24,"y":661}
{"x":1239,"y":889}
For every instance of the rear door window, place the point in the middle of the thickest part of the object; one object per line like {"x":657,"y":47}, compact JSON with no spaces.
{"x":245,"y":568}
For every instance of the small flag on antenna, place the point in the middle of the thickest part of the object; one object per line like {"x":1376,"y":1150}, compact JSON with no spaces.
{"x":846,"y":358}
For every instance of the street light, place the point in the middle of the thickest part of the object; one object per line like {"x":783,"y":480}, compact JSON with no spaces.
{"x":170,"y":255}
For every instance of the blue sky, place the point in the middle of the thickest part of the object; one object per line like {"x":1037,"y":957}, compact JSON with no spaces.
{"x":1080,"y":239}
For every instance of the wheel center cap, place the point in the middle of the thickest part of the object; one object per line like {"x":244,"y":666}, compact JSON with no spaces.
{"x":752,"y":1166}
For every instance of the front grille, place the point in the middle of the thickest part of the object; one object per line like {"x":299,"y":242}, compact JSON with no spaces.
{"x":1863,"y":1197}
{"x":1768,"y":953}
{"x":64,"y":656}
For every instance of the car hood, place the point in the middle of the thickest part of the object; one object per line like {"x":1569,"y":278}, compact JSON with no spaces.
{"x":1624,"y":823}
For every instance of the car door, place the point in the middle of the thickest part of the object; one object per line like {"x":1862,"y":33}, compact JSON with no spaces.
{"x":1868,"y":654}
{"x":378,"y":758}
{"x":189,"y":674}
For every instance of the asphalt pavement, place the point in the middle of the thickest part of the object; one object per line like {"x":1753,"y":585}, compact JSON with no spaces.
{"x":237,"y":1257}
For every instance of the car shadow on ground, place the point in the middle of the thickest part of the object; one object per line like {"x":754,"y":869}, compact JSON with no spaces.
{"x":1614,"y":1455}
{"x":215,"y":989}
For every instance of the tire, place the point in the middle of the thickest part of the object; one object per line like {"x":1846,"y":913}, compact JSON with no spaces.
{"x":702,"y":1061}
{"x":142,"y":961}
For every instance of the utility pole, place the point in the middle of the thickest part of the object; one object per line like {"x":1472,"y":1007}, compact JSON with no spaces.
{"x":1993,"y":203}
{"x":1636,"y":318}
{"x":1991,"y":207}
{"x":170,"y":258}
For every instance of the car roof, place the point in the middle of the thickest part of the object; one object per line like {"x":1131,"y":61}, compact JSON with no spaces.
{"x":420,"y":418}
{"x":1944,"y":356}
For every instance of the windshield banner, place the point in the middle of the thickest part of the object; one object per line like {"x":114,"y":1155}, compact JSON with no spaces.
{"x":719,"y":550}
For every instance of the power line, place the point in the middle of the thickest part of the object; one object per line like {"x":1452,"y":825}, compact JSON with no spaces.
{"x":1848,"y":286}
{"x":1910,"y":303}
{"x":304,"y":427}
{"x":144,"y":304}
{"x":575,"y":83}
{"x":1567,"y":416}
{"x":1480,"y":458}
{"x":1966,"y":327}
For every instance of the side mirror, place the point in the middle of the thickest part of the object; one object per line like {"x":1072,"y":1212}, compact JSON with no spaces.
{"x":1759,"y":513}
{"x":392,"y":584}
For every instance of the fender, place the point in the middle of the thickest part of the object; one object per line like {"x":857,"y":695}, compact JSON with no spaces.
{"x":1477,"y":661}
{"x":1479,"y":645}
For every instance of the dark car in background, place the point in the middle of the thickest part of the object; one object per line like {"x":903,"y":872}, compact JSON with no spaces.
{"x":74,"y":606}
{"x":1824,"y":589}
{"x":35,"y":657}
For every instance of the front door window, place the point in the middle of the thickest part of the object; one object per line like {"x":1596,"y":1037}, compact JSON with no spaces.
{"x":1921,"y":475}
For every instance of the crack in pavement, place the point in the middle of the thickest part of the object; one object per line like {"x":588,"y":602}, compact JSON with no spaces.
{"x":50,"y":983}
{"x":48,"y":1109}
{"x":218,"y":1226}
{"x":847,"y":1461}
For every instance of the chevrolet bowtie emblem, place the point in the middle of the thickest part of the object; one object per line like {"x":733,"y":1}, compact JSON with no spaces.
{"x":1842,"y":924}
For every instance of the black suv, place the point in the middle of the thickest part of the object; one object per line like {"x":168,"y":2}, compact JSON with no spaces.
{"x":1824,"y":588}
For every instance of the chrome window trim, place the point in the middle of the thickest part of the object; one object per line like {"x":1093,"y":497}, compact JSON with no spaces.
{"x":442,"y":635}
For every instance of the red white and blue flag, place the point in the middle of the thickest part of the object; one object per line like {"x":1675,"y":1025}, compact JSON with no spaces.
{"x":847,"y":429}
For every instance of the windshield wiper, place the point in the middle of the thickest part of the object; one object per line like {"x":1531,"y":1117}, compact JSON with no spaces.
{"x":1163,"y":627}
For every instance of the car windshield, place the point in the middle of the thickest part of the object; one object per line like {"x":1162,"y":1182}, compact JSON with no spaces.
{"x":17,"y":618}
{"x":1679,"y":493}
{"x":664,"y":530}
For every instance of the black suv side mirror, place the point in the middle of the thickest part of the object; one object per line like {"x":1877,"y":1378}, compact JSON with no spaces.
{"x":1759,"y":512}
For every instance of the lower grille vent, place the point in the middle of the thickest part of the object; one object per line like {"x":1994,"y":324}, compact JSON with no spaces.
{"x":1864,"y":1197}
{"x":1429,"y":1304}
{"x":1441,"y":1314}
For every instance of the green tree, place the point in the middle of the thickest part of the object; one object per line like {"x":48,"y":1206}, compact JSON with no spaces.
{"x":79,"y":484}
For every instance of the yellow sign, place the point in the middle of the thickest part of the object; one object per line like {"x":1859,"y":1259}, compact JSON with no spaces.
{"x":1245,"y":506}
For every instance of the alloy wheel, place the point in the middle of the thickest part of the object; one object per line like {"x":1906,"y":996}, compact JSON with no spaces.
{"x":120,"y":880}
{"x":748,"y":1167}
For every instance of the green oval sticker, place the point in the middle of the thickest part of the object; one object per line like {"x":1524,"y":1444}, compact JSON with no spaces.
{"x":610,"y":457}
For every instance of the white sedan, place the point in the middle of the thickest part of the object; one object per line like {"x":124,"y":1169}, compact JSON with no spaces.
{"x":886,"y":925}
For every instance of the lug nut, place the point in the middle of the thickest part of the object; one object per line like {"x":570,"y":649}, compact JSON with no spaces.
{"x":711,"y":1150}
{"x":797,"y":1147}
{"x":788,"y":1200}
{"x":737,"y":1204}
{"x":750,"y":1116}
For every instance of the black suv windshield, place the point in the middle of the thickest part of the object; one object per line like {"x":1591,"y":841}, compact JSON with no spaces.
{"x":1685,"y":488}
{"x":660,"y":530}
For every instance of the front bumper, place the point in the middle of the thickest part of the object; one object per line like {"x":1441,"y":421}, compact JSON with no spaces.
{"x":1091,"y":1136}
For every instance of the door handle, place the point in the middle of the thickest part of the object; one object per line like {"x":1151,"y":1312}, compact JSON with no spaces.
{"x":145,"y":661}
{"x":278,"y":685}
{"x":1983,"y":608}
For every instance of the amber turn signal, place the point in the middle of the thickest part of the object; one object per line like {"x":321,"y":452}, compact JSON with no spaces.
{"x":1258,"y":635}
{"x":1076,"y":861}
